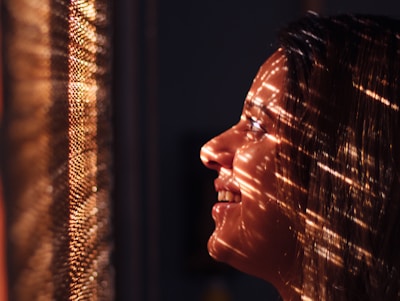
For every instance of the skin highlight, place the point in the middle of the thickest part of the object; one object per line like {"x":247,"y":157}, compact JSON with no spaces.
{"x":252,"y":232}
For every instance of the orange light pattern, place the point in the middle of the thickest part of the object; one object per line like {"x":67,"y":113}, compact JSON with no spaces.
{"x":248,"y":227}
{"x":28,"y":56}
{"x":82,"y":163}
{"x":376,"y":96}
{"x":348,"y":167}
{"x":58,"y":139}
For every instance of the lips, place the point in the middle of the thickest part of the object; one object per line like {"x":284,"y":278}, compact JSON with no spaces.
{"x":228,"y":196}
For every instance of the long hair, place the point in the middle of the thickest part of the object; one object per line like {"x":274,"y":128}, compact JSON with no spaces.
{"x":339,"y":159}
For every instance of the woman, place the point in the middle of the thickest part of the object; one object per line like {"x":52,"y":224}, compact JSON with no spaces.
{"x":308,"y":180}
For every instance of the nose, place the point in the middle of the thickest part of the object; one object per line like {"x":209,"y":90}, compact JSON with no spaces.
{"x":218,"y":152}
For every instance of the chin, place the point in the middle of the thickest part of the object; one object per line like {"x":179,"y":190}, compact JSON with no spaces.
{"x":251,"y":264}
{"x":217,"y":250}
{"x":222,"y":251}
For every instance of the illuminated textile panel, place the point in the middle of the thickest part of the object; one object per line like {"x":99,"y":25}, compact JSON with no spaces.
{"x":56,"y":149}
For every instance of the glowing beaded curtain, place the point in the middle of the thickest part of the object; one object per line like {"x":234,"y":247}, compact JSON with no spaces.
{"x":56,"y":149}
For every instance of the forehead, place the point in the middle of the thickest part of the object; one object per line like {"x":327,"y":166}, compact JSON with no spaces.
{"x":268,"y":84}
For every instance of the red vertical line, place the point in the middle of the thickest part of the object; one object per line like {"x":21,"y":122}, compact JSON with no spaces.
{"x":3,"y":278}
{"x":152,"y":147}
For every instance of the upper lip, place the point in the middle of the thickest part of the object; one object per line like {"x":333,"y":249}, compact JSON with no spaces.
{"x":227,"y":185}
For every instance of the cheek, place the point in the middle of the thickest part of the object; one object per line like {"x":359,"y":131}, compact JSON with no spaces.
{"x":258,"y":187}
{"x":245,"y":232}
{"x":254,"y":168}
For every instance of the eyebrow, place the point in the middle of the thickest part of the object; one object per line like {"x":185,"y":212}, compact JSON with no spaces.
{"x":251,"y":104}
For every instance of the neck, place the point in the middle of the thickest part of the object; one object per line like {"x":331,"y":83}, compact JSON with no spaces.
{"x":289,"y":285}
{"x":289,"y":293}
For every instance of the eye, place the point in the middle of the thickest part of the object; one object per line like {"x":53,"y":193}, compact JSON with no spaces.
{"x":256,"y":126}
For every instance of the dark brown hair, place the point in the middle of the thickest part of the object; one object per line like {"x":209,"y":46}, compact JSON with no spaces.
{"x":340,"y":154}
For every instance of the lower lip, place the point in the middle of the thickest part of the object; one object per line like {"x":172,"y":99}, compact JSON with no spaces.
{"x":221,"y":209}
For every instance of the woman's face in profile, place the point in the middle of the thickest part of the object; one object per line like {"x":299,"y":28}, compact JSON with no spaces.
{"x":251,"y":232}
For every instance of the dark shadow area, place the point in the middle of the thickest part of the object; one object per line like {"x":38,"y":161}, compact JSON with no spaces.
{"x":181,"y":72}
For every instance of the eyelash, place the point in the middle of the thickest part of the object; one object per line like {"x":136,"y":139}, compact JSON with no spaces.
{"x":255,"y":125}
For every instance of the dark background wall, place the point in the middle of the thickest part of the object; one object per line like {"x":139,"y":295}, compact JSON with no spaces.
{"x":181,"y":71}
